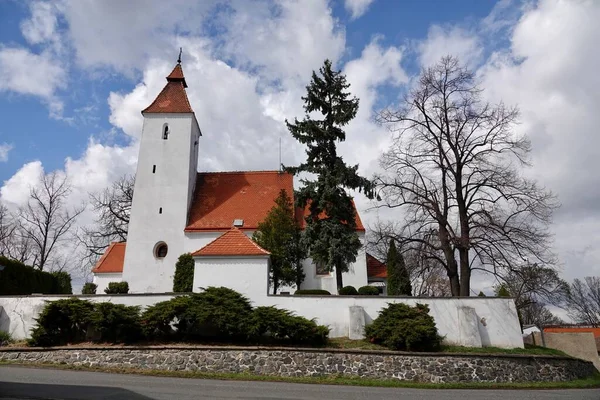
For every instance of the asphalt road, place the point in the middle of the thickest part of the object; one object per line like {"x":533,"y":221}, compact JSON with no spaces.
{"x":32,"y":383}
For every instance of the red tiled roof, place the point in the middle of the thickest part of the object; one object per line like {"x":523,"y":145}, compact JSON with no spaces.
{"x":173,"y":98}
{"x":177,"y":75}
{"x":221,"y":197}
{"x":300,"y":217}
{"x":375,"y":268}
{"x":232,"y":243}
{"x":111,"y":261}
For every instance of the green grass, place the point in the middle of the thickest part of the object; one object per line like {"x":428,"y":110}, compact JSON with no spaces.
{"x":347,"y":344}
{"x":593,"y":382}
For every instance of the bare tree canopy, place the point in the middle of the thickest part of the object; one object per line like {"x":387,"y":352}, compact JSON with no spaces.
{"x":583,"y":301}
{"x":46,"y":219}
{"x":455,"y":169}
{"x":537,"y":314}
{"x":7,"y":229}
{"x":112,"y":207}
{"x":427,"y":277}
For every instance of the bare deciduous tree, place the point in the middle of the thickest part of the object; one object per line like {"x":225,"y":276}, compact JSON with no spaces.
{"x":7,"y":229}
{"x":534,"y":284}
{"x":537,"y":314}
{"x":583,"y":301}
{"x":112,"y":207}
{"x":427,"y":276}
{"x":46,"y":219}
{"x":454,"y":169}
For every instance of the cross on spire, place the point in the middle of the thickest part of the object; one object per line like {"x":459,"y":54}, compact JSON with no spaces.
{"x":179,"y":58}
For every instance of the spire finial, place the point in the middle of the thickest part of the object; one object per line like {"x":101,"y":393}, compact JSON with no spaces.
{"x":179,"y":59}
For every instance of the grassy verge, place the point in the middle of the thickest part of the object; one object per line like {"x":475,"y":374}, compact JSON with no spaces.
{"x":593,"y":382}
{"x":345,"y":343}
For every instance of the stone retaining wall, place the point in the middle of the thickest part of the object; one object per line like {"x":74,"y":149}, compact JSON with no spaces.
{"x":310,"y":362}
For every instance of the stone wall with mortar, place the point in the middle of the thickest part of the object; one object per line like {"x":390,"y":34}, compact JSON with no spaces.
{"x":421,"y":367}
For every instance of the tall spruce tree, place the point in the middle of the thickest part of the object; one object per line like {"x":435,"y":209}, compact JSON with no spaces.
{"x":330,"y":233}
{"x":398,"y":283}
{"x":280,"y":235}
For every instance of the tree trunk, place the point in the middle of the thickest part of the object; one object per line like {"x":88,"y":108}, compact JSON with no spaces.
{"x":465,"y":272}
{"x":275,"y":285}
{"x":338,"y":278}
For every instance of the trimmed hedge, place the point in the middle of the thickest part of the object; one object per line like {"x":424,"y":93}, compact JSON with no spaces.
{"x":19,"y":279}
{"x":401,"y":327}
{"x":184,"y":274}
{"x":368,"y":291}
{"x":348,"y":291}
{"x":316,"y":292}
{"x":117,"y":288}
{"x":89,"y":288}
{"x":63,"y":282}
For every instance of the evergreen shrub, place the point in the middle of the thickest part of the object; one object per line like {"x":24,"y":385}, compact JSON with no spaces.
{"x":116,"y":323}
{"x":402,"y":327}
{"x":184,"y":274}
{"x":314,"y":292}
{"x":5,"y":338}
{"x":117,"y":288}
{"x":276,"y":325}
{"x":348,"y":291}
{"x":368,"y":291}
{"x":218,"y":314}
{"x":89,"y":288}
{"x":61,"y":322}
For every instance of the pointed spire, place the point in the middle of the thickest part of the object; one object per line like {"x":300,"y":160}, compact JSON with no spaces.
{"x":173,"y":98}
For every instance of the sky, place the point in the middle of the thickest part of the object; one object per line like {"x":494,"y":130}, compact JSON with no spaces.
{"x":74,"y":76}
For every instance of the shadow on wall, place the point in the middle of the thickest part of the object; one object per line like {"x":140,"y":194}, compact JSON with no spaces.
{"x":67,"y":392}
{"x":4,"y":321}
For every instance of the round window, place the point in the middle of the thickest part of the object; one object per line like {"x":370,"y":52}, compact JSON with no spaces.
{"x":160,"y":250}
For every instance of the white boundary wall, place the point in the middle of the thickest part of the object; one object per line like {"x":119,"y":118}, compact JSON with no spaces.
{"x":496,"y":318}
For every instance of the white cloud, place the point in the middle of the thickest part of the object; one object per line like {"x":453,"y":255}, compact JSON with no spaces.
{"x":15,"y":191}
{"x":42,"y":25}
{"x":550,"y":71}
{"x":285,"y":41}
{"x":5,"y":148}
{"x":453,"y":40}
{"x":125,"y":35}
{"x":357,"y":8}
{"x":32,"y":74}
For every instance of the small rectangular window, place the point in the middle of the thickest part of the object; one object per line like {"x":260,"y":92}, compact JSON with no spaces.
{"x":154,"y":169}
{"x":321,"y":269}
{"x":160,"y":210}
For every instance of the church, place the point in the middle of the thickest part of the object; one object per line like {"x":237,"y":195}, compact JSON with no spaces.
{"x":212,"y":215}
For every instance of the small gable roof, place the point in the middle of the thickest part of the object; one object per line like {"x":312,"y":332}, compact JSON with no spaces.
{"x":232,"y":243}
{"x":112,"y":260}
{"x":173,"y":98}
{"x":375,"y":268}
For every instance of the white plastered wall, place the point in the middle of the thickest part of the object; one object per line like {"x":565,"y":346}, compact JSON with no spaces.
{"x":247,"y":275}
{"x":497,"y":320}
{"x":170,"y":188}
{"x":102,"y":281}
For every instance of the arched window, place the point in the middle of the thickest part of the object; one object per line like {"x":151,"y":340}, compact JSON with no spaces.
{"x":160,"y":250}
{"x":165,"y":132}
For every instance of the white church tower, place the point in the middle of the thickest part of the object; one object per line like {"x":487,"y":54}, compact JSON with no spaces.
{"x":164,"y":186}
